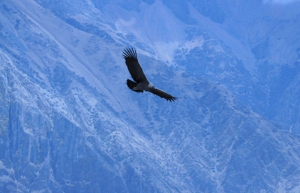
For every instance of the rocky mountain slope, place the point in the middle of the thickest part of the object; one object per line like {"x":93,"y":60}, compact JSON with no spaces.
{"x":68,"y":122}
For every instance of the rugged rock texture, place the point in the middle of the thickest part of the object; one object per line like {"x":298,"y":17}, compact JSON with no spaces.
{"x":68,"y":123}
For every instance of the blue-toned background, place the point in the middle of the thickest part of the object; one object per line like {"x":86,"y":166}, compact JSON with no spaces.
{"x":68,"y":122}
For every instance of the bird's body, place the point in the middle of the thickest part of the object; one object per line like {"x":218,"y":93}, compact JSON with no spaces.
{"x":143,"y":86}
{"x":140,"y":82}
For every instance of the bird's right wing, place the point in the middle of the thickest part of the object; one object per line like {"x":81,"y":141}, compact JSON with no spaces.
{"x":162,"y":94}
{"x":133,"y":65}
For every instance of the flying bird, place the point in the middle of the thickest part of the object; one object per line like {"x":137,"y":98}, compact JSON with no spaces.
{"x":140,"y":83}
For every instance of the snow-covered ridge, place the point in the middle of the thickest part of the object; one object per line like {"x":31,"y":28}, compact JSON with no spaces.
{"x":68,"y":123}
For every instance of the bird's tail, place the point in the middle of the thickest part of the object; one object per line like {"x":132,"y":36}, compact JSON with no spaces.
{"x":131,"y":85}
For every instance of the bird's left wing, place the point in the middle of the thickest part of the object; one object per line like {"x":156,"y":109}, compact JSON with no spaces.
{"x":162,"y":94}
{"x":133,"y":65}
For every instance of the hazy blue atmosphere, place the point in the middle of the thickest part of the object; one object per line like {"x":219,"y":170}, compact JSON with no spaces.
{"x":68,"y":122}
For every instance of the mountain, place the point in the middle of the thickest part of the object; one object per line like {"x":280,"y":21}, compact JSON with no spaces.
{"x":68,"y":122}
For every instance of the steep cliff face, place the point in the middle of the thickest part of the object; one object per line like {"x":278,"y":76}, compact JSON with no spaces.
{"x":68,"y":123}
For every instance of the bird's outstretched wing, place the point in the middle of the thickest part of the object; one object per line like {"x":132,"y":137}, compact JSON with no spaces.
{"x":162,"y":94}
{"x":133,"y":65}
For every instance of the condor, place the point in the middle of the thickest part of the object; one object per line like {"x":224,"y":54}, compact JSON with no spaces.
{"x":140,"y":83}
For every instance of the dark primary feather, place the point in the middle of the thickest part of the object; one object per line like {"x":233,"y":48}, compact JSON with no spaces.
{"x":133,"y":65}
{"x":162,"y":94}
